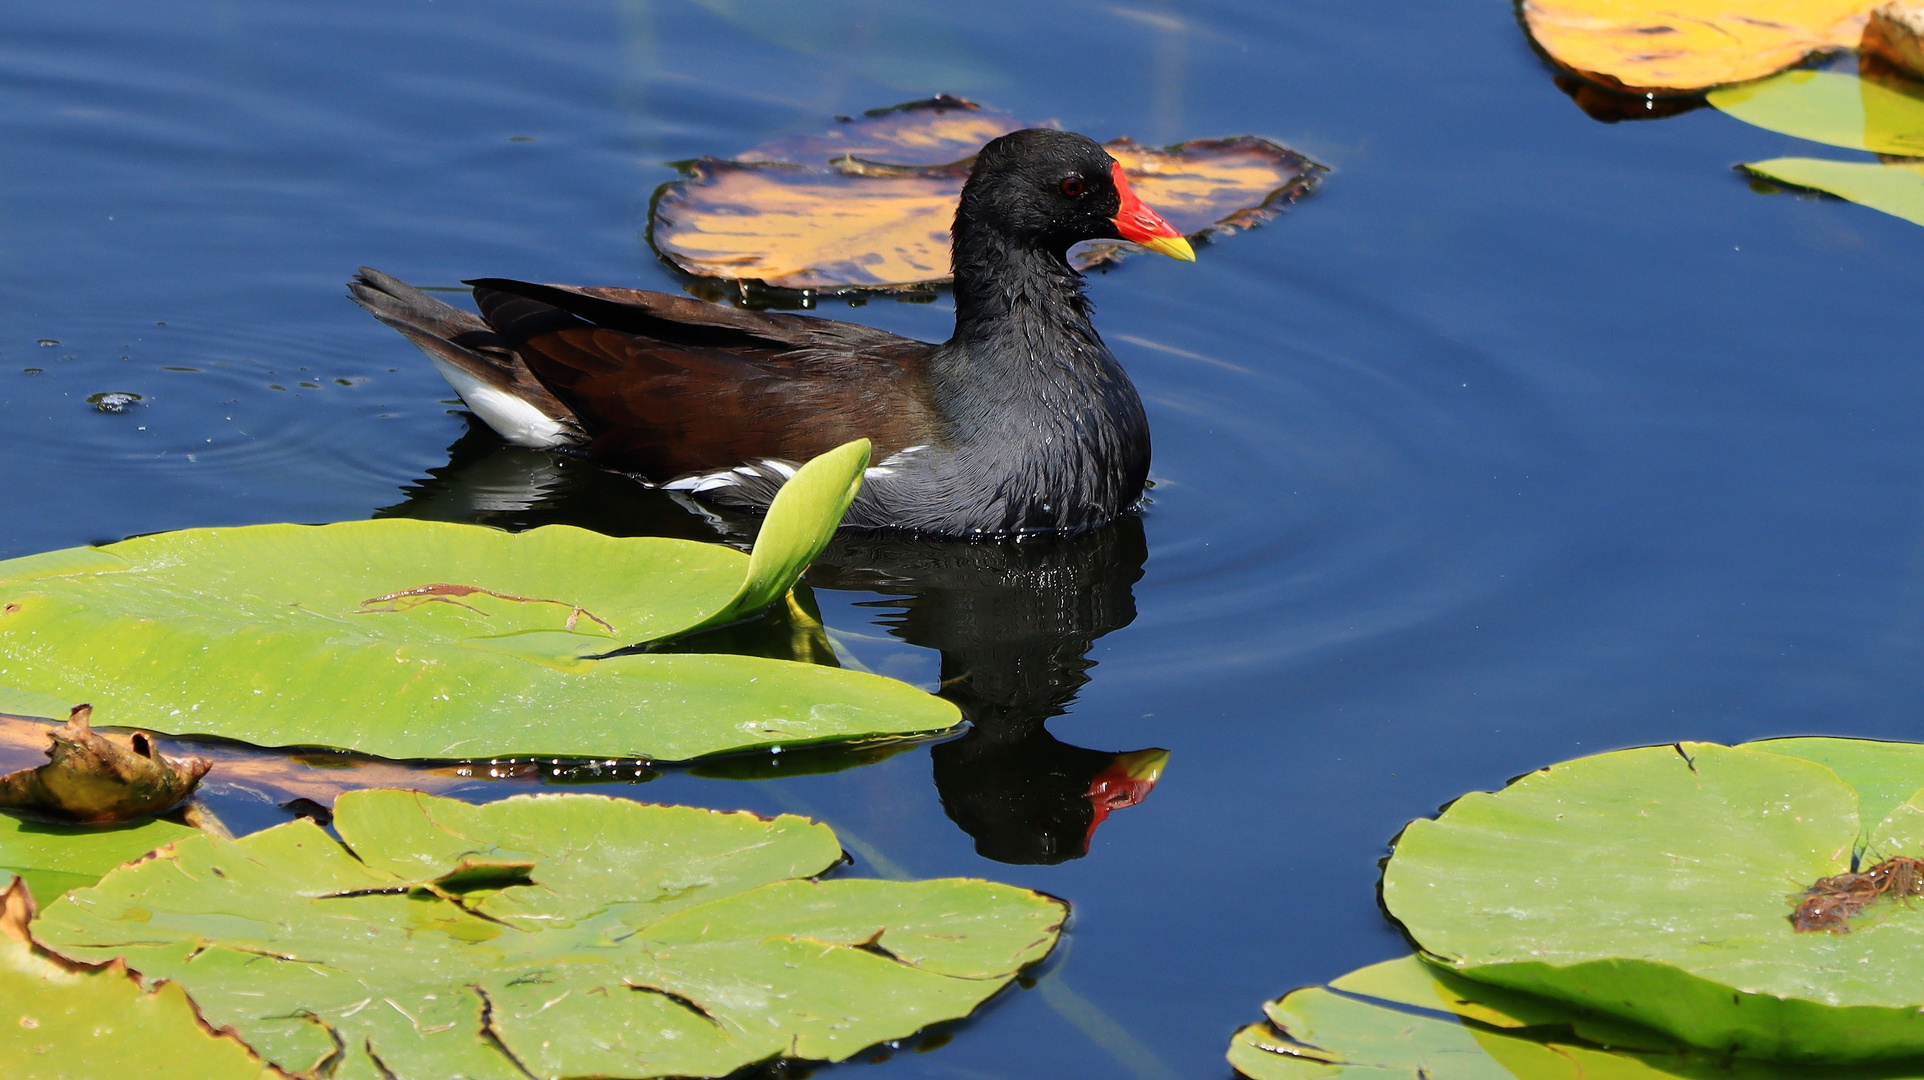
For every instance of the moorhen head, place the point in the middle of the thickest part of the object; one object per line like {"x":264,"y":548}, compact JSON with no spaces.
{"x":1046,"y":190}
{"x":1020,"y":424}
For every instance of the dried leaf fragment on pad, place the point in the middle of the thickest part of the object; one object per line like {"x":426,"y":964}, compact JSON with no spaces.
{"x":445,"y":593}
{"x":1673,"y":46}
{"x":94,"y":777}
{"x":558,"y":935}
{"x":62,"y":1019}
{"x":1831,"y":902}
{"x":869,"y":204}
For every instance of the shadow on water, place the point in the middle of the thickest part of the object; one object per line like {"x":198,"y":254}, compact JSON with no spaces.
{"x":1013,"y":623}
{"x":1604,"y":105}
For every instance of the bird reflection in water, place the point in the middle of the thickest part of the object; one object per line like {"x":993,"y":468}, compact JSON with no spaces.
{"x":1013,"y":624}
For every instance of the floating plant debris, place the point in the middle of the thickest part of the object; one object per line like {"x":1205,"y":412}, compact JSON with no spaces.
{"x":320,"y":777}
{"x":113,"y":402}
{"x":94,"y":777}
{"x":1830,"y":903}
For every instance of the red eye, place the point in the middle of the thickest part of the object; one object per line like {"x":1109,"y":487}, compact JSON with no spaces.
{"x":1072,"y":185}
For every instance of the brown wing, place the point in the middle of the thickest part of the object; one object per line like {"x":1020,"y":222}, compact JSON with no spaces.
{"x":667,"y":385}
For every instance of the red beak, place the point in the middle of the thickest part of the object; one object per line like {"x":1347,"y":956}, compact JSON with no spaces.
{"x":1127,"y":781}
{"x":1141,"y":225}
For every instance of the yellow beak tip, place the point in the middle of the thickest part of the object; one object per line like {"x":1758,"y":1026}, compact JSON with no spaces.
{"x":1144,"y":764}
{"x":1175,"y":247}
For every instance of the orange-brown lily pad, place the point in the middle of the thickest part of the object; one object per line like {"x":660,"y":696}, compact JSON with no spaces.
{"x":1681,"y":46}
{"x":867,"y":206}
{"x":941,"y":130}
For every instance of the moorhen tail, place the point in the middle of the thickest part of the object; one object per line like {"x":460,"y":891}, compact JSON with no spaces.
{"x":1022,"y":423}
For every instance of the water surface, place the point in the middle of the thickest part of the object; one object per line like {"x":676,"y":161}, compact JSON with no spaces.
{"x":1526,"y":437}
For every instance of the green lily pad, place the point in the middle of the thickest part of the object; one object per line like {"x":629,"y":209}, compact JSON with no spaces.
{"x":1407,"y":1020}
{"x":1884,"y":774}
{"x":1410,"y":981}
{"x":1655,"y":885}
{"x":55,"y":857}
{"x":1831,"y":107}
{"x":421,"y":639}
{"x":1897,"y":190}
{"x":552,"y":935}
{"x":60,"y":1020}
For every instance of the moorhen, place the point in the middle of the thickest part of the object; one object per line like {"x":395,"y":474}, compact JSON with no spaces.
{"x":1020,"y":424}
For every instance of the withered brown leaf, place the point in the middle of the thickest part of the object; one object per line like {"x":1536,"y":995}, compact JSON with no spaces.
{"x":90,"y":776}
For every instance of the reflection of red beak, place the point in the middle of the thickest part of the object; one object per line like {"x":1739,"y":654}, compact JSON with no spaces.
{"x":1127,"y":781}
{"x":1140,"y":225}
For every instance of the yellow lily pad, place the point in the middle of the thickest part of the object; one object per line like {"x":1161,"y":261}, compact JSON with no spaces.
{"x":1675,"y":46}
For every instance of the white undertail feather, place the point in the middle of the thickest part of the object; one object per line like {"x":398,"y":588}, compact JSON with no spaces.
{"x":512,"y":418}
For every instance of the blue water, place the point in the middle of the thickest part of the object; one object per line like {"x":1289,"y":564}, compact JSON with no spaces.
{"x":1527,"y":436}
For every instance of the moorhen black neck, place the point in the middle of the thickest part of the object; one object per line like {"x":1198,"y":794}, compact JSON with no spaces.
{"x":1020,"y":424}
